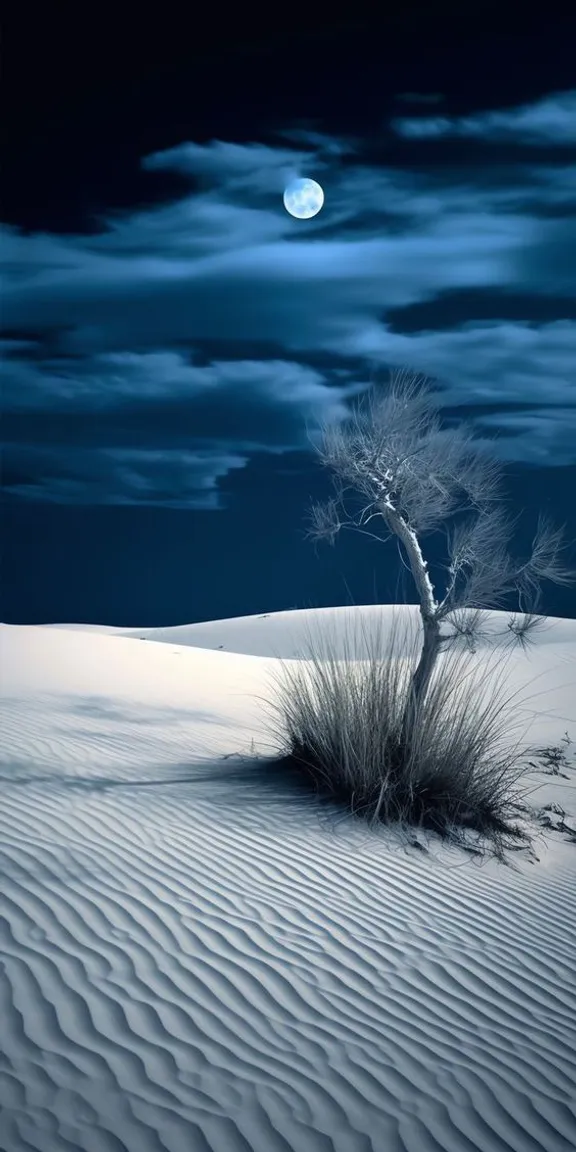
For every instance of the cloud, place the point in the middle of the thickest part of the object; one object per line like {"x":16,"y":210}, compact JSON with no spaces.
{"x":252,"y":168}
{"x":499,"y":364}
{"x":106,"y":333}
{"x":74,"y":428}
{"x":109,"y":381}
{"x":178,"y":479}
{"x":318,"y":141}
{"x":550,"y":122}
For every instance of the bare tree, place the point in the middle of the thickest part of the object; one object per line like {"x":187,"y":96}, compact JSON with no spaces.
{"x":411,"y":476}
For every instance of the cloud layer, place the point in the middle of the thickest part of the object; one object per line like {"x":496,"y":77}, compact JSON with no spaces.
{"x":150,"y":357}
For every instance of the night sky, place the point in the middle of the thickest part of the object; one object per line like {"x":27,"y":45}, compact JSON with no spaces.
{"x":170,"y":334}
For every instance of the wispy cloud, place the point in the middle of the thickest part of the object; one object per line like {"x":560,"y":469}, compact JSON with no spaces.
{"x":115,"y":379}
{"x":550,"y":121}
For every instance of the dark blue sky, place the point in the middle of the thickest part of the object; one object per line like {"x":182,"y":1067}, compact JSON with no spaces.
{"x":170,"y":333}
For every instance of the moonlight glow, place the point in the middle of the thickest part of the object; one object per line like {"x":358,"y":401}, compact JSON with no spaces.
{"x":303,"y":198}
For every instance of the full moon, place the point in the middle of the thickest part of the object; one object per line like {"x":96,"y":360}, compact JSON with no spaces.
{"x":303,"y":198}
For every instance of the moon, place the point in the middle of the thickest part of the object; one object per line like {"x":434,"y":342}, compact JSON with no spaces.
{"x":303,"y":198}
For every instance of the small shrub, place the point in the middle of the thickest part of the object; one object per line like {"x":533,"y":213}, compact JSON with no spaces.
{"x":339,"y":716}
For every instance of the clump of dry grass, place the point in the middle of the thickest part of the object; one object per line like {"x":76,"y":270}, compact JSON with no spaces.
{"x":337,"y":718}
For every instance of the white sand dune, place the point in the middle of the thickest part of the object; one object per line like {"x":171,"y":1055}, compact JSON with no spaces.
{"x":194,"y":958}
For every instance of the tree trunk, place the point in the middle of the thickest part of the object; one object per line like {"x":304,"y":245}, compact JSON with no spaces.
{"x":429,"y":610}
{"x":421,"y":678}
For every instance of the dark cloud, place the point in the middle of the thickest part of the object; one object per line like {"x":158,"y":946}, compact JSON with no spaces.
{"x":177,"y":478}
{"x":455,"y":307}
